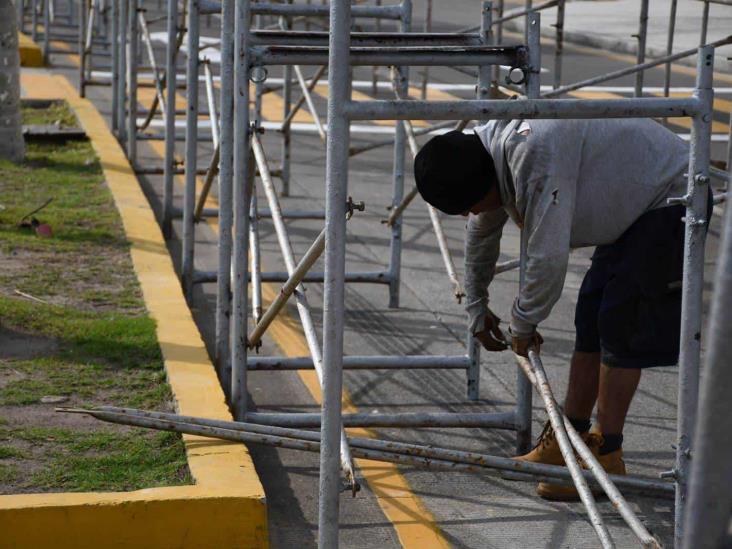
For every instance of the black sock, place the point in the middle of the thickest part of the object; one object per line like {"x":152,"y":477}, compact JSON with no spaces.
{"x":580,"y":425}
{"x":611,"y":443}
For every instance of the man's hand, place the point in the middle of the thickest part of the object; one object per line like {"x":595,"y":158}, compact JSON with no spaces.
{"x":522,"y":343}
{"x":492,"y":337}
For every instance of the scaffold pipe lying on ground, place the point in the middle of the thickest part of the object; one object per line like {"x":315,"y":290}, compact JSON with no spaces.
{"x":428,"y":457}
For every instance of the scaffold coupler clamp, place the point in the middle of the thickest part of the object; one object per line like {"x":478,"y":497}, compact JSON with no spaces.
{"x":459,"y":293}
{"x":352,"y":206}
{"x":350,"y":485}
{"x":254,"y":127}
{"x":256,"y":346}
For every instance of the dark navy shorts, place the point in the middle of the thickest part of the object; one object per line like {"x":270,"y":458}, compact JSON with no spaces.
{"x":629,"y":304}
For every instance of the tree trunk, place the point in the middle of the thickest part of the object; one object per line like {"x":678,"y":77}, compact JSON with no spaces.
{"x":12,"y":146}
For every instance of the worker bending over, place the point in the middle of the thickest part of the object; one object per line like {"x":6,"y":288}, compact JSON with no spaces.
{"x":568,"y":184}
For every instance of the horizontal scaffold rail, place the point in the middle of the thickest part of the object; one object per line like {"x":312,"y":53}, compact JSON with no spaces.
{"x":366,"y":277}
{"x":364,"y":39}
{"x":480,"y":109}
{"x":394,"y":12}
{"x":375,"y":362}
{"x":514,"y":56}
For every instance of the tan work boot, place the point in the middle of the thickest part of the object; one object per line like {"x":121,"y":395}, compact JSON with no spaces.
{"x":612,"y":463}
{"x":546,"y":450}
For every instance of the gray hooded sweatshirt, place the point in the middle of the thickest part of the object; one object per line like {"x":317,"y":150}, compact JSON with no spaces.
{"x":568,"y":184}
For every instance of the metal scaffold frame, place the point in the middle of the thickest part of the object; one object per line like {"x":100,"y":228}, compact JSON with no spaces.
{"x":371,"y":54}
{"x":468,"y":362}
{"x":239,"y":159}
{"x":343,"y":110}
{"x":89,"y":19}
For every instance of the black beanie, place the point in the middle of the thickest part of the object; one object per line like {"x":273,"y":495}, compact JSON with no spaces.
{"x":454,"y":171}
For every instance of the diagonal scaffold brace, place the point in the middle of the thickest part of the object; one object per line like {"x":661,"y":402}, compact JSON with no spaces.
{"x":303,"y":306}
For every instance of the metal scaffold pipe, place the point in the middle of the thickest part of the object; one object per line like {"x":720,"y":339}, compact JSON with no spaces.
{"x":429,"y":457}
{"x":303,"y":306}
{"x":693,"y":281}
{"x":288,"y":288}
{"x":646,"y":107}
{"x":541,"y":384}
{"x":709,"y":497}
{"x":335,"y":249}
{"x":243,"y":175}
{"x":537,"y":375}
{"x":433,"y":213}
{"x":634,"y":69}
{"x":222,"y":352}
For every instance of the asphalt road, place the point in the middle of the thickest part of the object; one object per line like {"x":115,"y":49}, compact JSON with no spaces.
{"x":462,"y":510}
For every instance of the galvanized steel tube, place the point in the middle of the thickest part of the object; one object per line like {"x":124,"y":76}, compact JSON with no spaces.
{"x":533,"y":370}
{"x":559,"y":44}
{"x":286,"y":131}
{"x":641,"y":57}
{"x":495,"y":420}
{"x":191,"y":150}
{"x":153,"y":66}
{"x":529,"y":108}
{"x":255,"y":257}
{"x":336,"y":193}
{"x":630,"y":70}
{"x":307,"y":261}
{"x":303,"y":308}
{"x":669,"y":48}
{"x":122,"y":70}
{"x":693,"y":281}
{"x":709,"y":497}
{"x":46,"y":29}
{"x":81,"y":43}
{"x":704,"y":23}
{"x":290,"y":113}
{"x":171,"y":52}
{"x":34,"y":20}
{"x":113,"y":39}
{"x":211,"y":101}
{"x":524,"y":393}
{"x":372,"y":362}
{"x":132,"y":83}
{"x":448,"y":459}
{"x":400,"y":81}
{"x":243,"y":170}
{"x":222,"y":351}
{"x":393,"y":55}
{"x":305,"y":88}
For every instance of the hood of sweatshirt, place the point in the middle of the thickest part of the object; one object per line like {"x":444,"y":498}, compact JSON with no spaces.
{"x":494,"y":135}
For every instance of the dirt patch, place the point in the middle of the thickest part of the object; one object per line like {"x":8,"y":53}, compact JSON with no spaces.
{"x":15,"y":344}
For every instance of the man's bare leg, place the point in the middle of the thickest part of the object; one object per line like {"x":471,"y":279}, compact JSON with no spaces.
{"x":584,"y":381}
{"x":617,"y":387}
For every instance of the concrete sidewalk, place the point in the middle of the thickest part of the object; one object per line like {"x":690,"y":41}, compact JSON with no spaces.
{"x":611,"y":25}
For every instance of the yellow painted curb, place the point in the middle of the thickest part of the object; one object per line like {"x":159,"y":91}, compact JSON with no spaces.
{"x":30,"y":52}
{"x":226,"y":507}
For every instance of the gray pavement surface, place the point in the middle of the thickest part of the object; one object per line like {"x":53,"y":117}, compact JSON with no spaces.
{"x":472,"y":511}
{"x":612,"y":24}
